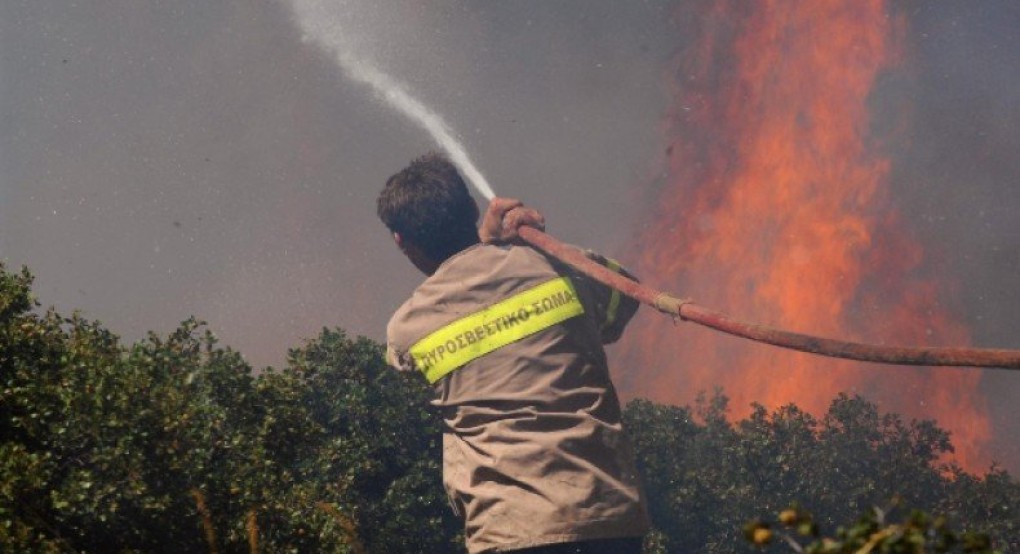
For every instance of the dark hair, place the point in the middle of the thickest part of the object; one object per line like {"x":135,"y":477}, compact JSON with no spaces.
{"x":428,"y":204}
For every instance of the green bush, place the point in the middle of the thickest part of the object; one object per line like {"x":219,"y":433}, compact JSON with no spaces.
{"x":706,"y":478}
{"x":175,"y":445}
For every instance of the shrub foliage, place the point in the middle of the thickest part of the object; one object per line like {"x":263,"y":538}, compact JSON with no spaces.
{"x":174,"y":444}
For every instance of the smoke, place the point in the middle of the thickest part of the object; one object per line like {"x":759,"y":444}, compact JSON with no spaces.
{"x":320,"y":21}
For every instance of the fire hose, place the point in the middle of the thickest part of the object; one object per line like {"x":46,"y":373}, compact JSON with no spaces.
{"x":687,"y":310}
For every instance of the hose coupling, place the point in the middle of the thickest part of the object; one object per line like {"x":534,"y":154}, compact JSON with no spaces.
{"x":671,"y":305}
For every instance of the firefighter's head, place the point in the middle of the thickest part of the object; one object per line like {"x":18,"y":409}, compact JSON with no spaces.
{"x":429,"y":210}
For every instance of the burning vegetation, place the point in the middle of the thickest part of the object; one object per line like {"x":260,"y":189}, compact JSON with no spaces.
{"x":776,"y":206}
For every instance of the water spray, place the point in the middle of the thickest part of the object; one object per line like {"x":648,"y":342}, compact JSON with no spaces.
{"x":390,"y":90}
{"x":313,"y":19}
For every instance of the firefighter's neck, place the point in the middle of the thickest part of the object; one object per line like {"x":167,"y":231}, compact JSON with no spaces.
{"x":425,"y":263}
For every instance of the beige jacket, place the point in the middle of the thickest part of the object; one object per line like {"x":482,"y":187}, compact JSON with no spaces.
{"x":534,"y":452}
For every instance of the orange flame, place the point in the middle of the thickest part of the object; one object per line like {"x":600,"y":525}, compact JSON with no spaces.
{"x":776,"y":208}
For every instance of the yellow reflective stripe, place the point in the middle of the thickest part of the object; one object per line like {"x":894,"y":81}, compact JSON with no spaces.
{"x":614,"y":298}
{"x":494,"y":327}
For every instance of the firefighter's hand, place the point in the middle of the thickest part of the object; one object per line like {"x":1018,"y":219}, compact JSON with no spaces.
{"x":504,"y":217}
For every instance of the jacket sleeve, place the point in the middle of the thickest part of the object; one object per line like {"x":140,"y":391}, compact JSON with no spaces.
{"x":396,"y":357}
{"x":613,"y":310}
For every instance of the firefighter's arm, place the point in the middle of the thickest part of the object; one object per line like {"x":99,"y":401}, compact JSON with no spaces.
{"x":613,"y":310}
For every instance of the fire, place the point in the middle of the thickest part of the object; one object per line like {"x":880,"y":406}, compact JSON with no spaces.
{"x":776,"y":208}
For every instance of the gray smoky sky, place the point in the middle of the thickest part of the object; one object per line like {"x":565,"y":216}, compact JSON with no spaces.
{"x":167,"y":158}
{"x":162,"y":159}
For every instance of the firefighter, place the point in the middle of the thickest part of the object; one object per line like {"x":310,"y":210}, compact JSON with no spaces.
{"x":535,"y":459}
